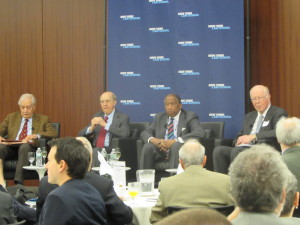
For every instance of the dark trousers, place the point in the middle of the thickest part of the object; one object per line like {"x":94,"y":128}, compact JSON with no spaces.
{"x":19,"y":152}
{"x":151,"y":154}
{"x":223,"y":156}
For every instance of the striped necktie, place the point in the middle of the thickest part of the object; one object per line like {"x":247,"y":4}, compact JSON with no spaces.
{"x":170,"y":133}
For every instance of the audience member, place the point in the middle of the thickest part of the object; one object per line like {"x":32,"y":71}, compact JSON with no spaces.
{"x":201,"y":216}
{"x":7,"y":215}
{"x":167,"y":133}
{"x":195,"y":187}
{"x":291,"y":201}
{"x":27,"y":127}
{"x":106,"y":125}
{"x":74,"y":201}
{"x":288,"y":135}
{"x":259,"y":126}
{"x":117,"y":212}
{"x":258,"y":181}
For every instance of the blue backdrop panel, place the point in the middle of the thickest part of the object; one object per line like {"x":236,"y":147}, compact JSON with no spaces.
{"x":189,"y":47}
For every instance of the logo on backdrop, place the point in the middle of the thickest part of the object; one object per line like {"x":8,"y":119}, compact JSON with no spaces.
{"x":218,"y":56}
{"x":188,"y":73}
{"x":219,"y":116}
{"x":189,"y":102}
{"x":158,"y":58}
{"x":158,"y":29}
{"x":187,"y":44}
{"x":129,"y":102}
{"x":187,"y":14}
{"x":159,"y":1}
{"x":157,"y":87}
{"x":130,"y":74}
{"x":129,"y":17}
{"x":129,"y":45}
{"x":218,"y":27}
{"x":219,"y":86}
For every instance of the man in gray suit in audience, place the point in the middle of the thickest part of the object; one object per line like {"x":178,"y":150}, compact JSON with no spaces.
{"x":167,"y":133}
{"x":258,"y":180}
{"x":106,"y":125}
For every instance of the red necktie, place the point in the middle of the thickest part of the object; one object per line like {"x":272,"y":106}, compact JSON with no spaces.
{"x":23,"y":133}
{"x":102,"y":134}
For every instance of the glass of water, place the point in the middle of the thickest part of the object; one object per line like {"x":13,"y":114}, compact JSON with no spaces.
{"x":44,"y":155}
{"x":31,"y":157}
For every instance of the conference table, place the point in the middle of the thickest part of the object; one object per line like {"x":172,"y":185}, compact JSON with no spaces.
{"x":141,"y":207}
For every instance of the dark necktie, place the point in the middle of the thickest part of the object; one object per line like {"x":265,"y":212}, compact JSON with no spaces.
{"x":170,"y":132}
{"x":23,"y":133}
{"x":102,"y":134}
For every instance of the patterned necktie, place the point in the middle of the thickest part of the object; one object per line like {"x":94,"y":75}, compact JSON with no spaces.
{"x":102,"y":135}
{"x":259,"y":123}
{"x":23,"y":133}
{"x":170,"y":133}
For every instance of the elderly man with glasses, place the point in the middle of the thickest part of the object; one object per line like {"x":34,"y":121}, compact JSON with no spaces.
{"x":259,"y":127}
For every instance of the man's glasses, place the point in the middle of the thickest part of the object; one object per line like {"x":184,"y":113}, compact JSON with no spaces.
{"x":258,"y":99}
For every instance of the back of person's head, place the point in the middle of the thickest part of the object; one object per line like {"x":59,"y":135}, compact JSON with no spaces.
{"x":88,"y":146}
{"x":291,"y":195}
{"x":192,"y":153}
{"x":201,"y":216}
{"x":288,"y":131}
{"x":73,"y":152}
{"x":258,"y":176}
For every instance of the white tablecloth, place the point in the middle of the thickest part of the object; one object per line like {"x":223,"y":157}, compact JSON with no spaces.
{"x":141,"y":208}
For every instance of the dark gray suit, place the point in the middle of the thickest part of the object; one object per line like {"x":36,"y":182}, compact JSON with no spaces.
{"x":188,"y":128}
{"x":223,"y":155}
{"x":7,"y":215}
{"x":118,"y":129}
{"x":291,"y":157}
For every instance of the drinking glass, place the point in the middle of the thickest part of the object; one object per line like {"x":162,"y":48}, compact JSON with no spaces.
{"x":44,"y":155}
{"x":133,"y":189}
{"x":31,"y":157}
{"x":117,"y":154}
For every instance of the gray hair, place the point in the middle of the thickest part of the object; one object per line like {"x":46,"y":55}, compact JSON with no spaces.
{"x":266,"y":89}
{"x":112,"y":95}
{"x":258,"y":176}
{"x":192,"y":153}
{"x":291,"y":190}
{"x":25,"y":96}
{"x":288,"y":131}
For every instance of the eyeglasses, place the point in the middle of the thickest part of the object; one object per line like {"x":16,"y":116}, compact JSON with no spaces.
{"x":105,"y":101}
{"x":258,"y":99}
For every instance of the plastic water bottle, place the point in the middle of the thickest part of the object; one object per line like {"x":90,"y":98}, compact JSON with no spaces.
{"x":104,"y":153}
{"x":38,"y":157}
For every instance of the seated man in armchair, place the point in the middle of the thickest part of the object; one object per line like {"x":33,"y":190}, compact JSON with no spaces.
{"x":167,"y":133}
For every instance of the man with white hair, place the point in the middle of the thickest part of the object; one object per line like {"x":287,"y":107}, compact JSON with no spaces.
{"x":26,"y":127}
{"x":288,"y":135}
{"x":195,"y":187}
{"x":258,"y":181}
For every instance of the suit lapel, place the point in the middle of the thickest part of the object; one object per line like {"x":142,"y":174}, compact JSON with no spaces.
{"x":35,"y":124}
{"x":181,"y":123}
{"x":17,"y":126}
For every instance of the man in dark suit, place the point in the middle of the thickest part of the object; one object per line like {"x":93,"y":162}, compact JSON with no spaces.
{"x":74,"y":201}
{"x":25,"y":126}
{"x":106,"y":125}
{"x":259,"y":126}
{"x":168,"y":132}
{"x":117,"y":212}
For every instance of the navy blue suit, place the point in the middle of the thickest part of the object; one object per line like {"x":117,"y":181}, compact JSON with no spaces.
{"x":116,"y":211}
{"x":75,"y":202}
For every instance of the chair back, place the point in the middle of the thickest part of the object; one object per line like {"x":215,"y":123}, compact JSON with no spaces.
{"x":56,"y":125}
{"x":213,"y":129}
{"x":137,"y":127}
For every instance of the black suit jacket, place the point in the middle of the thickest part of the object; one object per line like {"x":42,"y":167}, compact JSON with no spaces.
{"x":267,"y":131}
{"x":118,"y":129}
{"x":188,"y":126}
{"x":117,"y":212}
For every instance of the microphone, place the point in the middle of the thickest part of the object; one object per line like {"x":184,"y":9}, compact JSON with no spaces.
{"x":32,"y":128}
{"x":251,"y":125}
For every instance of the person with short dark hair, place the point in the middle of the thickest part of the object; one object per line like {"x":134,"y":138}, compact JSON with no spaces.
{"x":74,"y":201}
{"x":168,"y":132}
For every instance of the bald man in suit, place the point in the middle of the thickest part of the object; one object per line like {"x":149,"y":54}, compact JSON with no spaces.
{"x":27,"y":127}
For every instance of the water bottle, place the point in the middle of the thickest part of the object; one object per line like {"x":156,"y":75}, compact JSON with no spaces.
{"x":104,"y":153}
{"x":38,"y":157}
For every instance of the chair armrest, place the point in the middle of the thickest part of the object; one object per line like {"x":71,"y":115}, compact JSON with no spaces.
{"x":139,"y":146}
